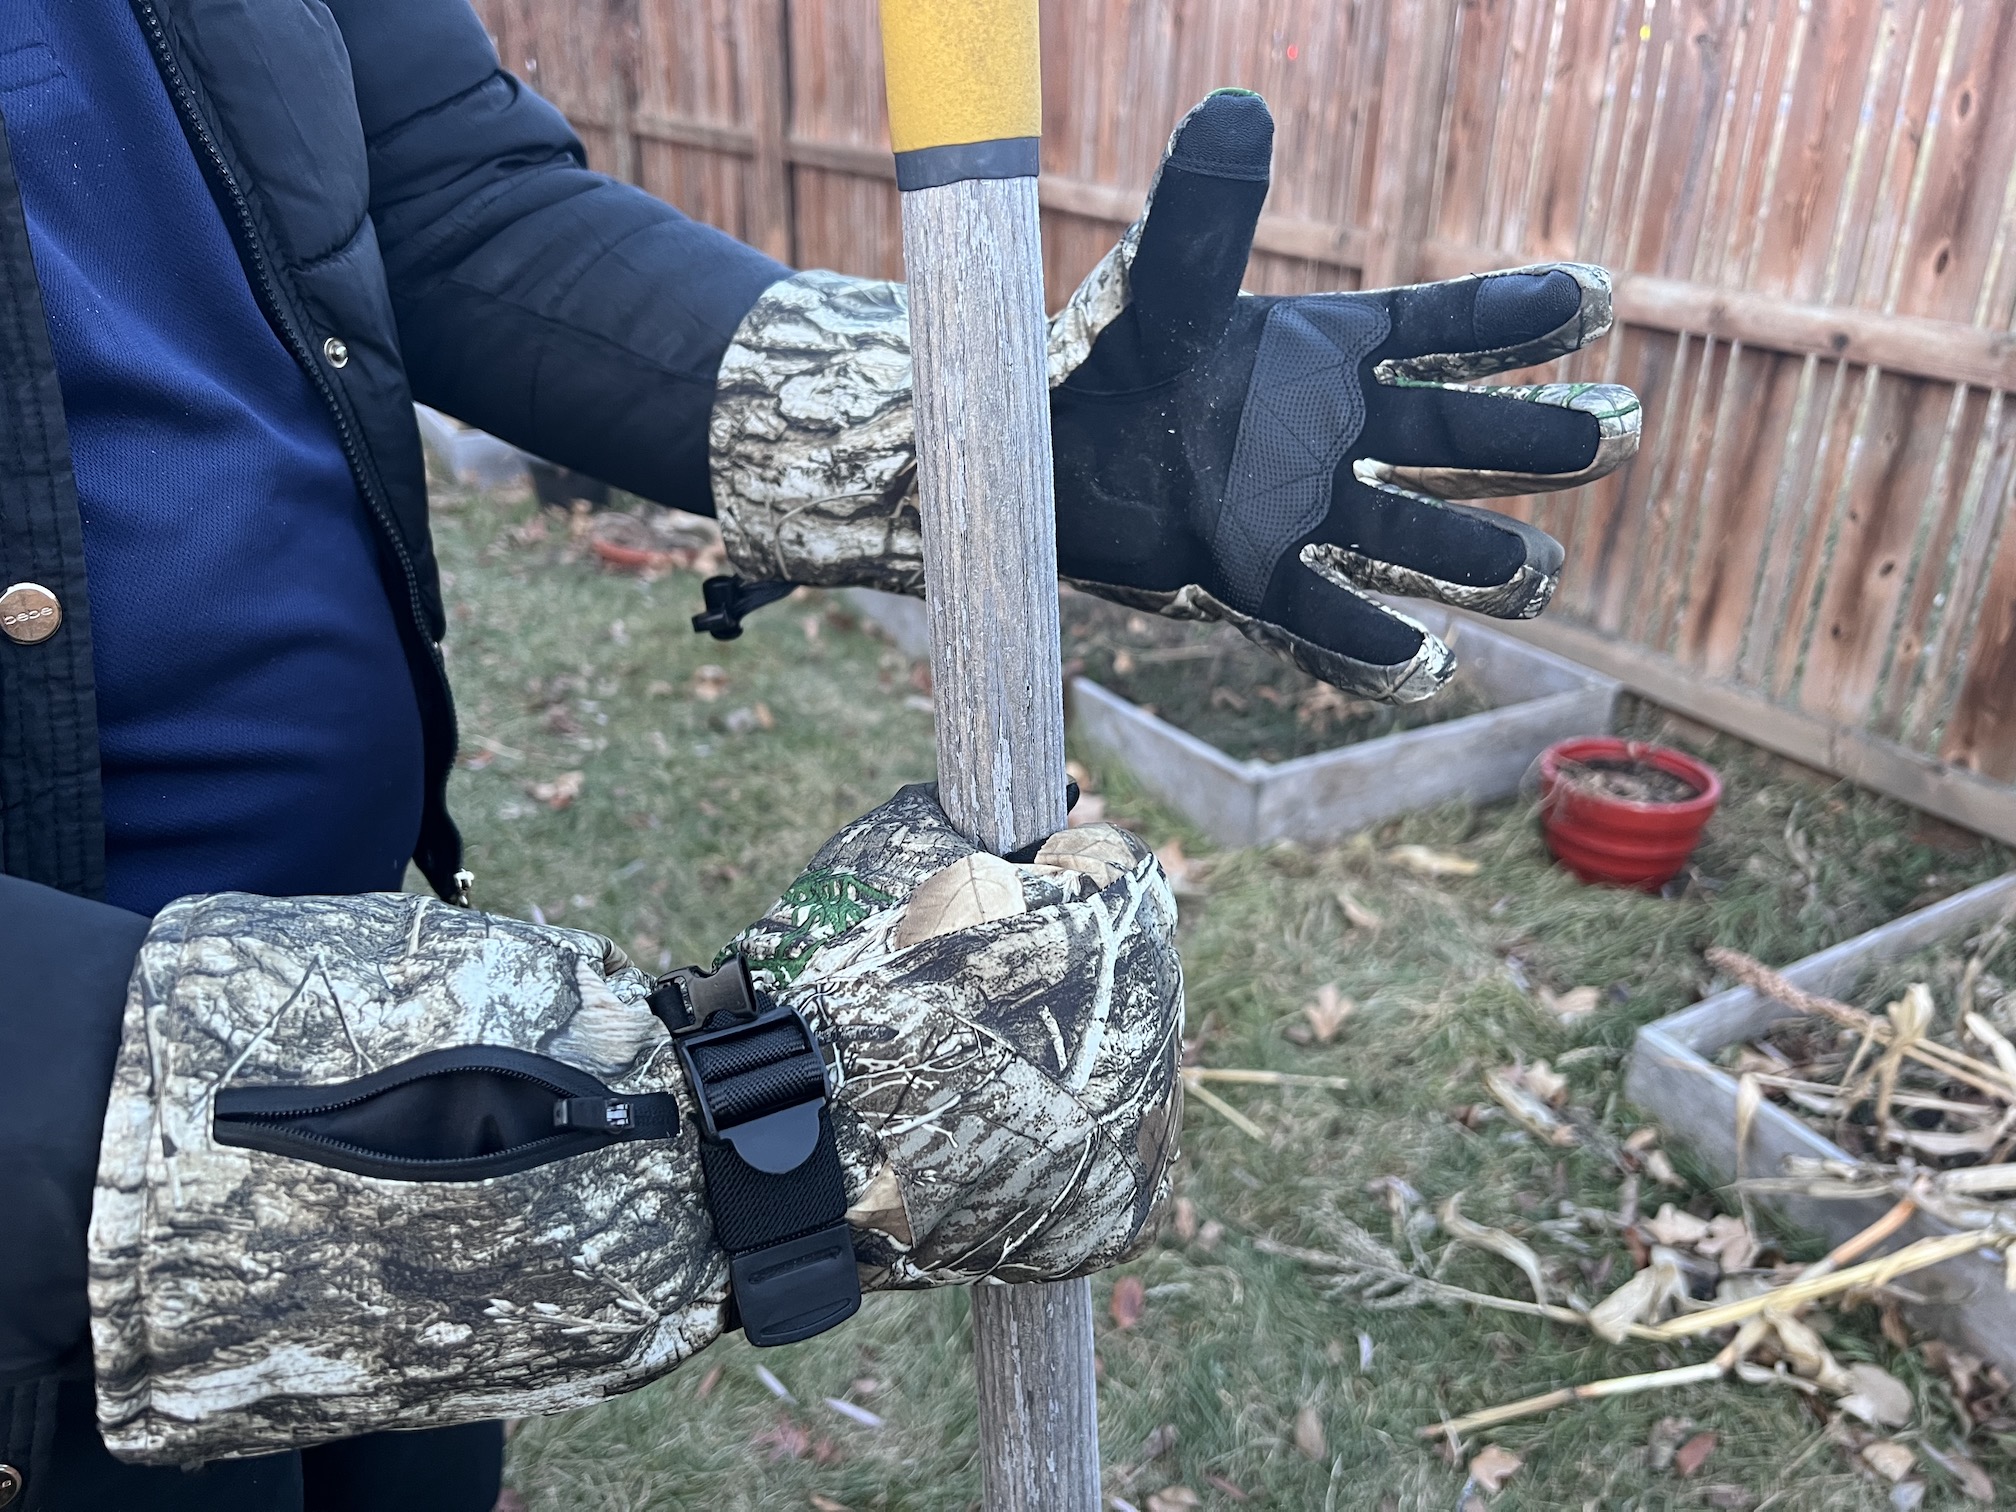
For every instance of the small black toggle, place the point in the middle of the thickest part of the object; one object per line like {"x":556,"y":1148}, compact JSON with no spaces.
{"x":729,"y":599}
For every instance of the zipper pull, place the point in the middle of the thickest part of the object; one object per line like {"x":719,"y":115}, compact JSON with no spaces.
{"x":650,"y":1115}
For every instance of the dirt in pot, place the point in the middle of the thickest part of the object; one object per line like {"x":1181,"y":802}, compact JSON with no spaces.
{"x":1631,"y":781}
{"x":1210,"y":680}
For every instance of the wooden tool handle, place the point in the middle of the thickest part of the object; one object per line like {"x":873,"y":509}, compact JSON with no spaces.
{"x":965,"y":110}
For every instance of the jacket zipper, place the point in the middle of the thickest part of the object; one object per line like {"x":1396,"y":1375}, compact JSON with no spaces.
{"x":268,"y":291}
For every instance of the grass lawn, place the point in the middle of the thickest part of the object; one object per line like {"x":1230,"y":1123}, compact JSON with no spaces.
{"x":708,"y":772}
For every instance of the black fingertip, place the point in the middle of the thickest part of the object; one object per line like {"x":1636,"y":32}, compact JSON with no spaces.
{"x":1516,"y":307}
{"x":1230,"y":135}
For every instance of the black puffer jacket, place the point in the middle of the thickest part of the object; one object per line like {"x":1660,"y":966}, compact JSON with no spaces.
{"x":392,"y":190}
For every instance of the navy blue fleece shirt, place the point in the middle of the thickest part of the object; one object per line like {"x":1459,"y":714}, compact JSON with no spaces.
{"x":258,"y":722}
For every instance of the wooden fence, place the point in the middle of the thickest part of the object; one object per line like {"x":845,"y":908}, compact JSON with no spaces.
{"x":1809,"y":204}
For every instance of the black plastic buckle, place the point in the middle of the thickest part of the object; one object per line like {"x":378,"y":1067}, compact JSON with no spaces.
{"x":690,"y":996}
{"x":776,"y":1139}
{"x":728,"y":599}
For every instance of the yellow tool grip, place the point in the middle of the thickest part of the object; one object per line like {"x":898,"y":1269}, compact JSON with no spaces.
{"x":965,"y":88}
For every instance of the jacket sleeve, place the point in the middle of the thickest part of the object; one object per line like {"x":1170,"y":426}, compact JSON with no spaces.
{"x":64,"y":963}
{"x":571,"y":314}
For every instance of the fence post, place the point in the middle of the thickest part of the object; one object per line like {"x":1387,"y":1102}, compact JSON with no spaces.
{"x":965,"y":112}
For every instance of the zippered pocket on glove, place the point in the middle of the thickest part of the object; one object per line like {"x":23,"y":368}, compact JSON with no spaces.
{"x":448,"y":1115}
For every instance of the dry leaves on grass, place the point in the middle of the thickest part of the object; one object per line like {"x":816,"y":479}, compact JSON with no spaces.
{"x":1174,"y":1499}
{"x":1357,"y":914}
{"x":786,"y":1440}
{"x":1975,"y":1482}
{"x":827,"y":1504}
{"x":1129,"y":1299}
{"x":1646,"y":1298}
{"x":1878,"y":1397}
{"x":1516,"y":1093}
{"x":558,"y":793}
{"x":1424,"y":861}
{"x":709,"y":683}
{"x":1692,"y":1455}
{"x":1492,"y":1466}
{"x":1660,"y":1168}
{"x":1574,"y":1004}
{"x":1323,"y":1018}
{"x":1309,"y":1438}
{"x":1495,"y":1241}
{"x":1889,"y":1459}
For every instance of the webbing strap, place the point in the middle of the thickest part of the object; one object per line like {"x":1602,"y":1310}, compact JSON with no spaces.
{"x":772,"y":1169}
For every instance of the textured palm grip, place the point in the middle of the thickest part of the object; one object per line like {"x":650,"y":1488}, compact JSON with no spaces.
{"x":1304,"y":408}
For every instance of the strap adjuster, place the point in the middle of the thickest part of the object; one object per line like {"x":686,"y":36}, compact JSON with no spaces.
{"x":774,"y":1183}
{"x":760,"y":1086}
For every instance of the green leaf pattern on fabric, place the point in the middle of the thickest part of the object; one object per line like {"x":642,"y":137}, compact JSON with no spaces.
{"x":820,"y":905}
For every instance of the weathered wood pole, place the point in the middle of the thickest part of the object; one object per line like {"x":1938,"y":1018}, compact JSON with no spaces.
{"x":965,"y":113}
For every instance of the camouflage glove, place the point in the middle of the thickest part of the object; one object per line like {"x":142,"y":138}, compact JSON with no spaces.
{"x":1262,"y":460}
{"x":336,"y":1193}
{"x":1034,"y":1011}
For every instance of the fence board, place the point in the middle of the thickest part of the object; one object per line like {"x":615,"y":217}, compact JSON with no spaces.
{"x":1809,"y":205}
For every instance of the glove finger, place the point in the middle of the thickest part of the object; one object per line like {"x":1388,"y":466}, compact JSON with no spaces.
{"x":1492,"y":322}
{"x":1387,"y":539}
{"x":1465,"y":443}
{"x":1336,"y":633}
{"x":1193,"y":248}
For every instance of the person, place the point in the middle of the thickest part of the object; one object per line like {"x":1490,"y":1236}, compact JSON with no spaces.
{"x":236,"y":244}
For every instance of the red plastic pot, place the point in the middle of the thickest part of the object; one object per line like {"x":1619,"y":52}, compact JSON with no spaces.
{"x":1617,"y":840}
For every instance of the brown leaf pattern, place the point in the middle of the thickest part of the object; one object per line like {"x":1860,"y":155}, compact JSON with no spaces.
{"x":1007,"y":1106}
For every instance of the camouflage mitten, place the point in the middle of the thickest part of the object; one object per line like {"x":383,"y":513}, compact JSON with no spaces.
{"x":1267,"y":461}
{"x":376,"y":1162}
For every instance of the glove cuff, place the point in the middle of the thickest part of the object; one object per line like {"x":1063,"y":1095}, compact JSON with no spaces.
{"x":337,"y":1192}
{"x":812,"y":443}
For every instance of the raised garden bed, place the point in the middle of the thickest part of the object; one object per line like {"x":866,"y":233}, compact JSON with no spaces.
{"x":1346,"y":765}
{"x":1673,"y":1078}
{"x":1340,"y":764}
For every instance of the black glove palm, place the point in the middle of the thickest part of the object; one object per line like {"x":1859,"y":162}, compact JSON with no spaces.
{"x":1265,"y":460}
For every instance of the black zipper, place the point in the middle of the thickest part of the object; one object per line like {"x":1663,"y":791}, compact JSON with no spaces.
{"x":585,"y":1116}
{"x":268,"y":293}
